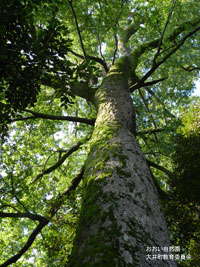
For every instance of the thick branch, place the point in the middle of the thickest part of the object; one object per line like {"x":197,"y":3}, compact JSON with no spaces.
{"x":161,"y":168}
{"x":74,"y":184}
{"x":29,"y":215}
{"x":59,"y":163}
{"x":55,"y":117}
{"x":131,"y":29}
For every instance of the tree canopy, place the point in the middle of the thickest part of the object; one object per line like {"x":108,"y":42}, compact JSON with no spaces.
{"x":54,"y":57}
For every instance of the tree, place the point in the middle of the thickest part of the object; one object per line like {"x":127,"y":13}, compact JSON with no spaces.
{"x":182,"y":208}
{"x":116,"y":70}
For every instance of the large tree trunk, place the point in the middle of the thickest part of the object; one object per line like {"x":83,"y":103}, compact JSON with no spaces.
{"x":120,"y":215}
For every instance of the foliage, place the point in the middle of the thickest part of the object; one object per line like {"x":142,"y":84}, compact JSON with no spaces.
{"x":45,"y":69}
{"x":183,"y":208}
{"x":187,"y":156}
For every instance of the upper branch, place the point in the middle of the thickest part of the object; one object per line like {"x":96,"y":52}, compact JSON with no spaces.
{"x":77,"y":27}
{"x":162,"y":35}
{"x":155,"y":66}
{"x":130,"y":30}
{"x":141,"y":49}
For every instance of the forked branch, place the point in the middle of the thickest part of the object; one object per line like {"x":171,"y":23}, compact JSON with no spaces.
{"x":141,"y":49}
{"x":155,"y":66}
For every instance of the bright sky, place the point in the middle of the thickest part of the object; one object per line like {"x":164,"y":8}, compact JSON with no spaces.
{"x":197,"y":91}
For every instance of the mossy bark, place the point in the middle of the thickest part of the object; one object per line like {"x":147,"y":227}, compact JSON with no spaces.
{"x":120,"y":215}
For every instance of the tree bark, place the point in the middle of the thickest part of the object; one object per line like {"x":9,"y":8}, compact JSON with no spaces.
{"x":121,"y":214}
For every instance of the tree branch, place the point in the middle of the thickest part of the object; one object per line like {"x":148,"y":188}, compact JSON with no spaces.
{"x":154,"y":68}
{"x":162,"y":35}
{"x":59,"y":163}
{"x":161,"y":168}
{"x":55,"y":117}
{"x":150,"y":131}
{"x":97,"y":59}
{"x":43,"y":220}
{"x":116,"y":49}
{"x":147,"y":84}
{"x":34,"y":217}
{"x":36,"y":231}
{"x":190,"y":68}
{"x":130,"y":30}
{"x":77,"y":28}
{"x":139,"y":51}
{"x":158,"y":100}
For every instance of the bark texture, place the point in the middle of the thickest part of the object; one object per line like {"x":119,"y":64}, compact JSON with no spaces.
{"x":121,"y":214}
